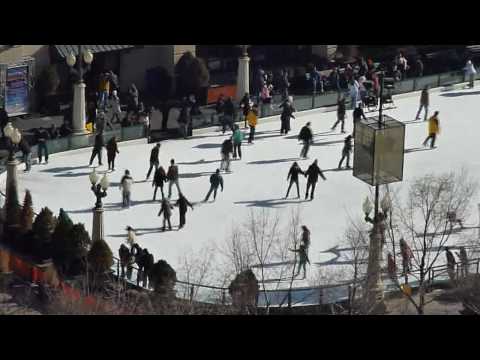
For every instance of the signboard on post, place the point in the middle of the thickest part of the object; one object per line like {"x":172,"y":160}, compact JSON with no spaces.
{"x":17,"y":91}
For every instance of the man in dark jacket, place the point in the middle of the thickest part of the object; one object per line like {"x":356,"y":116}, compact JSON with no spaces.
{"x":124,"y":254}
{"x":306,"y":136}
{"x":245,"y":106}
{"x":229,"y":114}
{"x":226,"y":151}
{"x":424,"y":101}
{"x":148,"y":262}
{"x":27,"y":153}
{"x":159,"y":178}
{"x":287,"y":113}
{"x":97,"y":149}
{"x":357,"y":116}
{"x":293,"y":176}
{"x":172,"y":176}
{"x":347,"y":149}
{"x":42,"y":137}
{"x":215,"y":181}
{"x":112,"y":151}
{"x":341,"y":110}
{"x":183,"y":204}
{"x":312,"y":174}
{"x":166,"y":208}
{"x":184,"y":118}
{"x":154,"y":160}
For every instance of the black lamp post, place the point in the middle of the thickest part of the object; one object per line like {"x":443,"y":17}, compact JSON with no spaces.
{"x":99,"y":189}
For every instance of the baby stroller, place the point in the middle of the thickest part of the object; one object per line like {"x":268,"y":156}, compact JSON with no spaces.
{"x":370,"y":101}
{"x":387,"y":97}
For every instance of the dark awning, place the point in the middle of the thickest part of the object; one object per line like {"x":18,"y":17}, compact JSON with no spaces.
{"x":64,"y":50}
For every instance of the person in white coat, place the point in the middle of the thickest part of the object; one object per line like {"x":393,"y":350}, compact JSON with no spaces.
{"x":126,"y":187}
{"x":470,"y":72}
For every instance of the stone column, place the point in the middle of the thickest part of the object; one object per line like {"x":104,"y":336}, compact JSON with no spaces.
{"x":79,"y":108}
{"x":373,"y":290}
{"x":97,"y":229}
{"x":11,"y":180}
{"x":243,"y":76}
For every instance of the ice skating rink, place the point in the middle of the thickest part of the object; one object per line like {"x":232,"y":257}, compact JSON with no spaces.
{"x":257,"y":182}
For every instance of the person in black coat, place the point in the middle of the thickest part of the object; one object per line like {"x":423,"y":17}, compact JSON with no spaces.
{"x":347,"y":149}
{"x":216,"y":180}
{"x":112,"y":151}
{"x":184,"y":119}
{"x":357,"y":115}
{"x":312,"y":174}
{"x":148,"y":262}
{"x":27,"y":153}
{"x":183,"y":204}
{"x":166,"y":208}
{"x":42,"y":137}
{"x":306,"y":136}
{"x":154,"y":160}
{"x":159,"y":178}
{"x":226,"y":151}
{"x":341,"y":110}
{"x":293,"y":176}
{"x":245,"y":106}
{"x":287,"y":113}
{"x":229,"y":114}
{"x":97,"y":149}
{"x":124,"y":254}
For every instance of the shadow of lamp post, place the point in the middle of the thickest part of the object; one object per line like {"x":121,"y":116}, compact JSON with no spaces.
{"x":99,"y":188}
{"x":79,"y":65}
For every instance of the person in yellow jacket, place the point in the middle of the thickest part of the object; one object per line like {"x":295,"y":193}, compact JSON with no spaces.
{"x":252,"y":118}
{"x":104,"y":90}
{"x":433,"y":130}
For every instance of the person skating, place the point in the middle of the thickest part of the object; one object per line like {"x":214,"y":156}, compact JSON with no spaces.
{"x":341,"y":110}
{"x":159,"y":178}
{"x":312,"y":177}
{"x":42,"y":137}
{"x":27,"y":153}
{"x":112,"y":151}
{"x":293,"y":177}
{"x":227,"y":149}
{"x":172,"y":176}
{"x":115,"y":107}
{"x":287,"y":113}
{"x":183,"y":204}
{"x":237,"y":142}
{"x":252,"y":119}
{"x":347,"y":149}
{"x":166,"y":208}
{"x":305,"y":237}
{"x":303,"y":259}
{"x":424,"y":102}
{"x":433,"y":130}
{"x":126,"y":188}
{"x":229,"y":114}
{"x":97,"y":149}
{"x":154,"y":160}
{"x":216,"y":180}
{"x":245,"y":105}
{"x":470,"y":73}
{"x":184,"y":119}
{"x":306,"y":136}
{"x":357,"y":116}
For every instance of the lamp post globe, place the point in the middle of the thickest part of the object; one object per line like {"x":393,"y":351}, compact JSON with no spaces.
{"x":93,"y":177}
{"x":367,"y":206}
{"x":386,"y":203}
{"x":88,"y":57}
{"x":16,"y":136}
{"x":8,"y":130}
{"x":71,"y":59}
{"x":104,"y":183}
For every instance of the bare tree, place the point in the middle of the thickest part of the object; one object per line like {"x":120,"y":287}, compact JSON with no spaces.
{"x":423,"y":222}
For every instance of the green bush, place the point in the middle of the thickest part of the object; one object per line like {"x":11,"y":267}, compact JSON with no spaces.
{"x":26,"y":214}
{"x":43,"y":227}
{"x":100,"y":257}
{"x":193,"y":75}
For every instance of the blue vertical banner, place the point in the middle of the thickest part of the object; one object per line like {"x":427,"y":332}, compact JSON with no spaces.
{"x":16,"y":92}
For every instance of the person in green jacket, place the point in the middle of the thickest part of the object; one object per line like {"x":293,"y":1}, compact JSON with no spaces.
{"x":237,"y":142}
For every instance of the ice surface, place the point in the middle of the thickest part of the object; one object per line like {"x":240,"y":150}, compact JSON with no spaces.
{"x":257,"y":181}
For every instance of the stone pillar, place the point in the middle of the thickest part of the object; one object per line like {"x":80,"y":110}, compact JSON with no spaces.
{"x":373,"y":290}
{"x":97,"y":229}
{"x":79,"y":109}
{"x":243,"y":77}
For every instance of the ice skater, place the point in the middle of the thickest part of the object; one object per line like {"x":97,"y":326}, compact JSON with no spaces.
{"x":357,"y":116}
{"x":229,"y":115}
{"x":470,"y":72}
{"x":293,"y":176}
{"x":312,"y":178}
{"x":166,"y":208}
{"x":341,"y":110}
{"x":347,"y":149}
{"x":433,"y":130}
{"x":237,"y":142}
{"x":97,"y":149}
{"x":183,"y":205}
{"x":287,"y":113}
{"x":159,"y":178}
{"x":303,"y":259}
{"x":112,"y":151}
{"x":252,"y":119}
{"x":26,"y":152}
{"x":424,"y":101}
{"x":172,"y":176}
{"x":115,"y":107}
{"x":154,"y":160}
{"x":42,"y":137}
{"x":306,"y":136}
{"x":227,"y":149}
{"x":126,"y":188}
{"x":216,"y":180}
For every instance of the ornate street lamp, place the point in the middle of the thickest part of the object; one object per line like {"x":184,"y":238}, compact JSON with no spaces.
{"x":99,"y":188}
{"x":79,"y":65}
{"x":14,"y":135}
